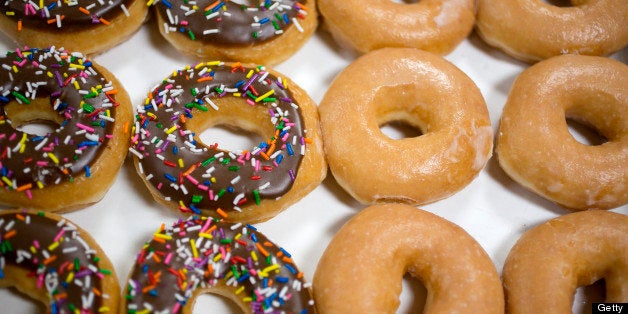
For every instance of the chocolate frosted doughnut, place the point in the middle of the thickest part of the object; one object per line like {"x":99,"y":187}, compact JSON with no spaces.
{"x":55,"y":262}
{"x":251,"y":185}
{"x":74,"y":165}
{"x":88,"y":26}
{"x":265,"y":33}
{"x":200,"y":255}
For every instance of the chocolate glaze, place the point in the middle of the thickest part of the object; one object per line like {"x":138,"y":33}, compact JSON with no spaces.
{"x":232,"y":21}
{"x":55,"y":157}
{"x":27,"y":240}
{"x":220,"y":179}
{"x":32,"y":15}
{"x":168,"y":270}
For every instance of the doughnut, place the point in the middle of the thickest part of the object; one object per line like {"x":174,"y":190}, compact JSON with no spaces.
{"x":548,"y":263}
{"x":73,"y":165}
{"x":361,"y":269}
{"x":203,"y":255}
{"x":249,"y":185}
{"x":88,"y":26}
{"x":587,"y":27}
{"x":55,"y":262}
{"x":436,"y":26}
{"x":534,"y":146}
{"x":422,"y":90}
{"x":266,"y":33}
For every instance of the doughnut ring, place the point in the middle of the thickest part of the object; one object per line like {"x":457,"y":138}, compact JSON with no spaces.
{"x":535,"y":148}
{"x":423,"y":90}
{"x":362,"y":268}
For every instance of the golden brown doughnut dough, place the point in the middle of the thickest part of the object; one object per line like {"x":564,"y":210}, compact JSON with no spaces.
{"x":57,"y":263}
{"x":362,"y":268}
{"x":73,"y":166}
{"x":550,"y":261}
{"x":433,"y":25}
{"x":76,"y":30}
{"x":534,"y":145}
{"x":533,"y":30}
{"x":423,"y":90}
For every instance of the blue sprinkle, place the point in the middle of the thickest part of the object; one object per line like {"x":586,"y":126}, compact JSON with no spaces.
{"x":167,"y":3}
{"x":230,"y":189}
{"x":285,"y":252}
{"x":175,"y":150}
{"x":291,"y":269}
{"x":195,"y":209}
{"x":88,"y":171}
{"x":290,"y":150}
{"x":264,"y":20}
{"x":170,"y":178}
{"x":279,"y":159}
{"x":282,"y":279}
{"x":251,"y":227}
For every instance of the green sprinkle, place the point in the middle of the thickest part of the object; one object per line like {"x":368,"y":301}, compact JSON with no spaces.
{"x":234,"y":168}
{"x":258,"y":200}
{"x":208,"y":161}
{"x":21,"y":97}
{"x":197,"y":199}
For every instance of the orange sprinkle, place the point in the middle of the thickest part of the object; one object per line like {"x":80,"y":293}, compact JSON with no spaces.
{"x":10,"y":234}
{"x":211,"y":6}
{"x":104,"y":21}
{"x":20,"y":217}
{"x":50,"y":259}
{"x":156,"y":258}
{"x":308,"y":140}
{"x":264,"y":155}
{"x":190,"y":170}
{"x":160,"y":240}
{"x":96,"y":291}
{"x":204,"y":79}
{"x":112,"y":92}
{"x":126,"y":127}
{"x":19,"y":25}
{"x":261,"y":249}
{"x":299,"y":275}
{"x":60,"y":296}
{"x":222,"y":213}
{"x":148,"y":288}
{"x":84,"y":10}
{"x":24,"y":187}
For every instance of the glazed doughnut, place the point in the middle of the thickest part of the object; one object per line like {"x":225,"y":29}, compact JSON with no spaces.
{"x":534,"y":145}
{"x":250,"y":185}
{"x":592,"y":27}
{"x":432,"y":25}
{"x":201,"y":255}
{"x":88,"y":26}
{"x":423,"y":90}
{"x":57,"y":263}
{"x":362,"y":268}
{"x":75,"y":164}
{"x":548,"y":263}
{"x":267,"y":33}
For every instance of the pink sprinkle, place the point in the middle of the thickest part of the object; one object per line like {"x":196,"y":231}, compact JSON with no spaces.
{"x":85,"y":127}
{"x":168,"y":258}
{"x":202,"y":187}
{"x":191,"y":179}
{"x":29,"y":194}
{"x":59,"y":235}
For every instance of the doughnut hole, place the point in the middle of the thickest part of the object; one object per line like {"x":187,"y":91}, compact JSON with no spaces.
{"x":217,"y":302}
{"x":585,"y":296}
{"x":594,"y":125}
{"x":562,"y":3}
{"x":401,"y":115}
{"x":413,"y":295}
{"x":399,"y":129}
{"x":36,"y":118}
{"x":243,"y":125}
{"x":19,"y":303}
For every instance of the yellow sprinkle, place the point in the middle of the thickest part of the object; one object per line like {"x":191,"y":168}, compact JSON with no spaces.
{"x":181,"y":163}
{"x":199,"y":65}
{"x":7,"y":181}
{"x":40,"y":185}
{"x":268,"y":93}
{"x":213,"y":63}
{"x":193,"y":245}
{"x":10,"y":13}
{"x":33,"y":249}
{"x":70,"y":277}
{"x":77,"y":66}
{"x":237,"y":94}
{"x":76,"y":84}
{"x":205,"y":235}
{"x":49,"y":74}
{"x":149,"y":3}
{"x":171,"y":129}
{"x":248,"y":75}
{"x":254,"y":256}
{"x":53,"y":158}
{"x":14,"y":69}
{"x":162,"y":236}
{"x":105,"y":309}
{"x":285,"y":83}
{"x":53,"y":246}
{"x":239,"y":290}
{"x":270,"y":268}
{"x":247,"y":299}
{"x":217,"y":257}
{"x":212,"y":179}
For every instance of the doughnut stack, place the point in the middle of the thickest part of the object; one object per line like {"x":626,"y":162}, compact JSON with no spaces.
{"x":216,"y":208}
